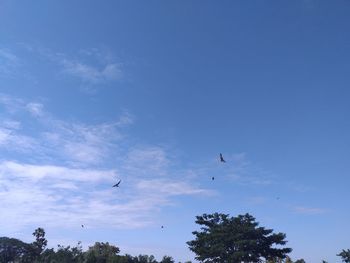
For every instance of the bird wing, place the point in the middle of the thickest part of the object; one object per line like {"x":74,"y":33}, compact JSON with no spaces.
{"x":117,"y":184}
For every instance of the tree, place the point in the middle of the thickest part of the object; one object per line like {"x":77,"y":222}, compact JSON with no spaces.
{"x":12,"y":249}
{"x":145,"y":259}
{"x":345,"y":255}
{"x":225,"y":239}
{"x":288,"y":260}
{"x":167,"y":259}
{"x":102,"y":253}
{"x":300,"y":261}
{"x":40,"y":241}
{"x":63,"y":255}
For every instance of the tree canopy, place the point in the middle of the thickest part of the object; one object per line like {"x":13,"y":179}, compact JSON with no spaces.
{"x":345,"y":255}
{"x":221,"y":239}
{"x":12,"y":249}
{"x":238,"y":239}
{"x":16,"y":251}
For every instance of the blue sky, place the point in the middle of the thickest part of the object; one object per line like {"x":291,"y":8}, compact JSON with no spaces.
{"x":150,"y":92}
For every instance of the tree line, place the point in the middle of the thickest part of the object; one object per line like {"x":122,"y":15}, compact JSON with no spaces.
{"x":221,"y":239}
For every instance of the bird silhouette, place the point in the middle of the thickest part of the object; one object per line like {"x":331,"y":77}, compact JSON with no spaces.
{"x":117,"y":184}
{"x":162,"y":226}
{"x":212,"y":178}
{"x":222,"y":159}
{"x":82,"y":226}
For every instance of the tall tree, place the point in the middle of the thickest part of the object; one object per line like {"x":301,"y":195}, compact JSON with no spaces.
{"x":40,"y":241}
{"x":225,"y":239}
{"x":345,"y":255}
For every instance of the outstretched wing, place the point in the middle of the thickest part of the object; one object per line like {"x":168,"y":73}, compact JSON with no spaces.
{"x":222,"y":158}
{"x":117,"y":184}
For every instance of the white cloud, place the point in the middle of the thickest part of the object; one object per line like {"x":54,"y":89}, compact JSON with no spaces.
{"x":11,"y":104}
{"x":11,"y":169}
{"x":67,"y":197}
{"x":152,"y":157}
{"x":125,"y":119}
{"x":11,"y":124}
{"x":239,"y":169}
{"x":92,"y":74}
{"x":8,"y":62}
{"x":64,"y":183}
{"x":257,"y":200}
{"x":72,"y":142}
{"x":170,"y":188}
{"x":35,"y":108}
{"x":8,"y":55}
{"x":309,"y":210}
{"x":81,"y":143}
{"x":11,"y":140}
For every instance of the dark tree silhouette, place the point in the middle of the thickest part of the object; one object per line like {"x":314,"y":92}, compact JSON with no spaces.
{"x":14,"y":250}
{"x":40,"y":241}
{"x":167,"y":259}
{"x":101,"y":252}
{"x":238,"y":239}
{"x":345,"y":255}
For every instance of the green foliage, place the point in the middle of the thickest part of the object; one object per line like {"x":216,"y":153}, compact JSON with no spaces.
{"x":64,"y":254}
{"x":345,"y":255}
{"x":225,"y":239}
{"x":39,"y":244}
{"x":145,"y":259}
{"x":15,"y":250}
{"x":102,"y":253}
{"x":167,"y":259}
{"x":288,"y":260}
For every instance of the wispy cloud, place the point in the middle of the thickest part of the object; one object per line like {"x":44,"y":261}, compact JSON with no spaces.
{"x":68,"y":197}
{"x":72,"y":142}
{"x":8,"y":62}
{"x":64,"y":180}
{"x":257,"y":200}
{"x":92,"y":66}
{"x":10,"y":139}
{"x":92,"y":74}
{"x":35,"y":108}
{"x":239,"y":169}
{"x":170,"y":187}
{"x":11,"y":104}
{"x":152,"y":157}
{"x":309,"y":210}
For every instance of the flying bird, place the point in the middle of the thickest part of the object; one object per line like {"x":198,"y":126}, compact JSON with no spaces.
{"x":162,"y":226}
{"x":117,"y":184}
{"x":212,"y":178}
{"x":82,"y":226}
{"x":222,"y":159}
